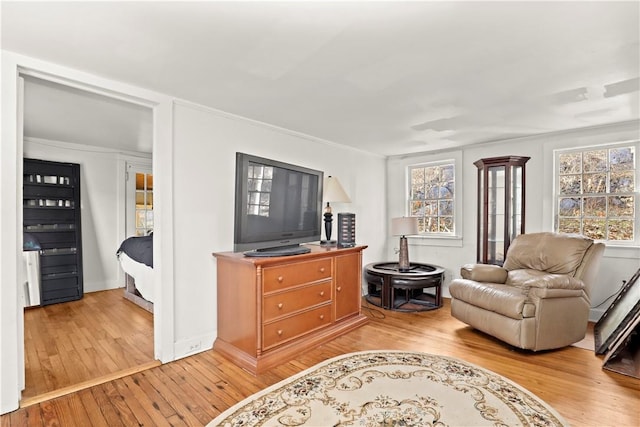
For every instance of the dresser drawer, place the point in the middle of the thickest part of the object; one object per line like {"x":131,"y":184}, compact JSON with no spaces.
{"x":284,"y":303}
{"x":285,"y":276}
{"x":286,"y":329}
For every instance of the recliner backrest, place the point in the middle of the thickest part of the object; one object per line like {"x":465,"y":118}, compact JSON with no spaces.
{"x":555,"y":253}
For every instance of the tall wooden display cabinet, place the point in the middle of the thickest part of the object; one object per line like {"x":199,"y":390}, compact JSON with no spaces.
{"x":501,"y":201}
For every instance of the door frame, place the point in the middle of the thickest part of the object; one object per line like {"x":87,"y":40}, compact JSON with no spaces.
{"x":11,"y":153}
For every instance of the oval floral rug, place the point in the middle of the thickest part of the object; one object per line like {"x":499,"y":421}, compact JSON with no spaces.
{"x":392,"y":388}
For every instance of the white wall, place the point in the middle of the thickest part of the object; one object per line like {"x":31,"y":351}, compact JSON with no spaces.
{"x":102,"y":205}
{"x":205,"y":143}
{"x":618,"y":263}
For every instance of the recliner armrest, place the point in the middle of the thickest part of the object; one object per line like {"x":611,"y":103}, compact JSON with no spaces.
{"x":484,"y":273}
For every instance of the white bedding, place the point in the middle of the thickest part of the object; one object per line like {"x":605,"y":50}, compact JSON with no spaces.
{"x":141,"y":273}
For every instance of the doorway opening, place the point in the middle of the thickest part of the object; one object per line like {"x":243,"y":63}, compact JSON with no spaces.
{"x":73,"y":345}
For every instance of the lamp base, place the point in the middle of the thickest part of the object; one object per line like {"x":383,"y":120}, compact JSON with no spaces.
{"x":403,"y":260}
{"x":328,"y":243}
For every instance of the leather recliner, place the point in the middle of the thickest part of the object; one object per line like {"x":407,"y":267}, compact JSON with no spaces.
{"x":539,"y":299}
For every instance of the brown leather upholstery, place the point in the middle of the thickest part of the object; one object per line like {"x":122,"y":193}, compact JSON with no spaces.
{"x":539,"y":300}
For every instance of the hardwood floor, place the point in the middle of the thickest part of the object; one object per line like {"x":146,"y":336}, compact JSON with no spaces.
{"x":76,"y":343}
{"x":193,"y":390}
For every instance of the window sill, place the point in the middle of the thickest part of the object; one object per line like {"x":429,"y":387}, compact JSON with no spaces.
{"x":426,"y":240}
{"x":613,"y":251}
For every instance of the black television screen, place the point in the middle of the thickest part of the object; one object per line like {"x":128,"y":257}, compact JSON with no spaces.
{"x":278,"y":205}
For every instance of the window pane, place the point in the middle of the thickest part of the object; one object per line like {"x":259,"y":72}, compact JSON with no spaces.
{"x":622,"y":182}
{"x":417,"y":191}
{"x":446,"y":190}
{"x":569,"y":225}
{"x":621,"y":205}
{"x":417,"y":209}
{"x":417,"y":175}
{"x":569,"y":207}
{"x":447,"y":173}
{"x":620,"y":229}
{"x":595,"y":206}
{"x":431,"y":224}
{"x":595,"y":161}
{"x":445,"y":207}
{"x":595,"y":229}
{"x":595,"y":183}
{"x":570,"y":163}
{"x":446,"y":225}
{"x":621,"y":158}
{"x":570,"y":184}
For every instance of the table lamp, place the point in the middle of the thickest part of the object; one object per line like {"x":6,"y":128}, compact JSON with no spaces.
{"x":333,"y":192}
{"x":404,"y":226}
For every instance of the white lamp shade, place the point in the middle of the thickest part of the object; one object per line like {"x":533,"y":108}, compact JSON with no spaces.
{"x":404,"y":226}
{"x":333,"y":191}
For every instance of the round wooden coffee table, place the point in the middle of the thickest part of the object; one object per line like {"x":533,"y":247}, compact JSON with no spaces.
{"x":392,"y":289}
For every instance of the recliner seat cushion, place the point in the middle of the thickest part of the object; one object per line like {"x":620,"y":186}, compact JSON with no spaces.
{"x":550,"y":252}
{"x":507,"y":300}
{"x":541,"y":279}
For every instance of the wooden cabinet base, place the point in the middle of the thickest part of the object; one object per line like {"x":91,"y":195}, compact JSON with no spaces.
{"x":284,"y":353}
{"x":272,"y":309}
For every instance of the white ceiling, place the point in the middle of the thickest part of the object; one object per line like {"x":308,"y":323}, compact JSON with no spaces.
{"x":387,"y":77}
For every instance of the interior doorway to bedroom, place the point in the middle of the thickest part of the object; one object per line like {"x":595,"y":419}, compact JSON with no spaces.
{"x":71,"y":346}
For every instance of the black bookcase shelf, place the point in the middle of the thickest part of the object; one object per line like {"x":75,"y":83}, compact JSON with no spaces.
{"x":51,"y":214}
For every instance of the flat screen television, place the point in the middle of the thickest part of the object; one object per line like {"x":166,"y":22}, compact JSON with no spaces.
{"x":278,"y":206}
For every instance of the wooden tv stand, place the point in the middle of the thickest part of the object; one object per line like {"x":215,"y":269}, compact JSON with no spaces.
{"x":271,"y":309}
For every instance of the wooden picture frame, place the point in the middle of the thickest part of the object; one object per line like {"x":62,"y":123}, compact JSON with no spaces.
{"x":616,"y":318}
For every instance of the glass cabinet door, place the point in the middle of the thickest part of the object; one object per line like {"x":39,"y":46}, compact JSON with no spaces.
{"x":500,"y":206}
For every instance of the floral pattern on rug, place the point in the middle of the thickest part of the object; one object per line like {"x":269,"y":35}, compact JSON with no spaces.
{"x":392,"y":388}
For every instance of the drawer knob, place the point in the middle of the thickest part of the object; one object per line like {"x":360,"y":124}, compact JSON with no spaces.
{"x":280,"y":306}
{"x":339,"y":288}
{"x":321,"y":293}
{"x":321,"y":269}
{"x":280,"y":279}
{"x":322,"y":317}
{"x":279,"y":332}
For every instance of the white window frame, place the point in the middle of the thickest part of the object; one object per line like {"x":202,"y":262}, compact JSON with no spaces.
{"x":406,"y":162}
{"x":438,"y":199}
{"x":634,"y":143}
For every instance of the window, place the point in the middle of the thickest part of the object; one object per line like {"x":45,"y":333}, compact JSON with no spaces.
{"x":596,"y":192}
{"x":259,"y":182}
{"x":431,"y":198}
{"x":144,"y":203}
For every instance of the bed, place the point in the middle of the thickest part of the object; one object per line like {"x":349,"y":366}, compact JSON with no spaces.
{"x":135,"y":255}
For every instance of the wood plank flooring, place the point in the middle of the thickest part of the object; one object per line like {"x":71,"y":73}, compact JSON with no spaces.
{"x":67,"y":345}
{"x":193,"y":390}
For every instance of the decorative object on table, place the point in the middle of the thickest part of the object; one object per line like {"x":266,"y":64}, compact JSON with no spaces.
{"x":618,"y":316}
{"x":501,"y":200}
{"x":392,"y":388}
{"x":403,"y":227}
{"x":346,"y":230}
{"x":333,"y":192}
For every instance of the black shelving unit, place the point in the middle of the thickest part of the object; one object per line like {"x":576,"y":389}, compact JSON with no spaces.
{"x":51,"y":207}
